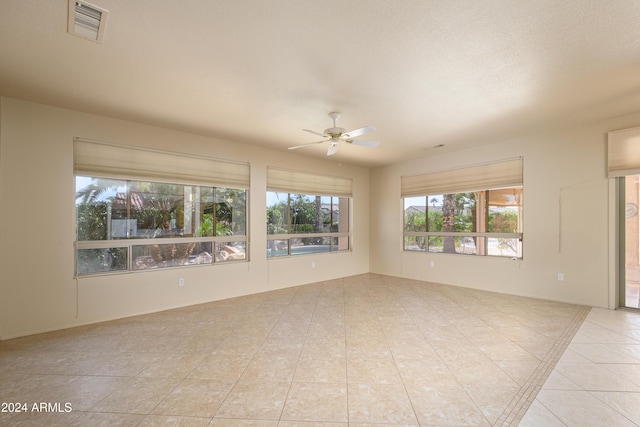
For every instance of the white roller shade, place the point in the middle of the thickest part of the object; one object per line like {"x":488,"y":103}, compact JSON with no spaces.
{"x":105,"y":160}
{"x":507,"y":173}
{"x":623,"y":152}
{"x":289,"y":181}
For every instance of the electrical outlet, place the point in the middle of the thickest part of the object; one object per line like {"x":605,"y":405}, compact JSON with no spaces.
{"x":313,"y":264}
{"x":432,"y":264}
{"x":181,"y":282}
{"x":560,"y":277}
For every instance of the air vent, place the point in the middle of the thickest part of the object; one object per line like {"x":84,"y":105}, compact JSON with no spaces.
{"x":86,"y":20}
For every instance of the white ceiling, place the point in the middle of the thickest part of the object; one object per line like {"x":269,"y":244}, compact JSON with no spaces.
{"x":459,"y":73}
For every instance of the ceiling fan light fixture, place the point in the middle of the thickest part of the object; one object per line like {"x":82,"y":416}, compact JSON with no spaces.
{"x":333,"y":148}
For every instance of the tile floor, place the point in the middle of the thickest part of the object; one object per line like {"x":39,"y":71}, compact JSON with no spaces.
{"x":359,"y":351}
{"x":596,"y":382}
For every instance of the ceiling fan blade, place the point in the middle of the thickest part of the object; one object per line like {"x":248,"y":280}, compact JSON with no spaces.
{"x":306,"y":145}
{"x":358,"y":132}
{"x":333,"y":149}
{"x":314,"y":132}
{"x":364,"y":142}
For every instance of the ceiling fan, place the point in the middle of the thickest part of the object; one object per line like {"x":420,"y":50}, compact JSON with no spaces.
{"x":335,"y":135}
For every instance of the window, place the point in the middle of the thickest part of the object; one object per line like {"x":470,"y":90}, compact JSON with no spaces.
{"x":484,"y":221}
{"x":308,"y":218}
{"x":303,"y":224}
{"x":136,"y":225}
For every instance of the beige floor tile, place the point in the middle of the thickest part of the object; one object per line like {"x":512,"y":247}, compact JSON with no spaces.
{"x":537,"y":349}
{"x":581,"y":408}
{"x":404,"y":348}
{"x":271,"y":367}
{"x":445,"y":405}
{"x":557,"y":381}
{"x":171,"y":366}
{"x":501,"y":351}
{"x":239,"y":345}
{"x":107,"y":419}
{"x":519,"y":371}
{"x":606,"y":353}
{"x":379,"y":403}
{"x":318,"y":402}
{"x":479,"y":373}
{"x":628,"y":404}
{"x":324,"y":347}
{"x":321,"y":424}
{"x":125,"y":364}
{"x":137,"y":396}
{"x":629,"y":372}
{"x":235,"y":422}
{"x":82,"y":392}
{"x":595,"y":377}
{"x":417,"y":372}
{"x":372,"y":371}
{"x":324,"y":370}
{"x":38,"y":419}
{"x":492,"y":401}
{"x":291,"y":346}
{"x":538,"y":415}
{"x":368,"y":348}
{"x":255,"y":400}
{"x":174,"y":421}
{"x":220,"y":367}
{"x":193,"y":397}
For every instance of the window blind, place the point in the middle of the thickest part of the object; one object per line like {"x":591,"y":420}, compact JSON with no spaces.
{"x":289,"y":181}
{"x":488,"y":176}
{"x":623,"y":152}
{"x":104,"y":160}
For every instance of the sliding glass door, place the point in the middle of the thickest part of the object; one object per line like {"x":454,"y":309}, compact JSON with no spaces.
{"x":629,"y":241}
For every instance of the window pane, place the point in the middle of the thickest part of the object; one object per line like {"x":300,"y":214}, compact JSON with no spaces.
{"x":341,"y":243}
{"x":231,"y":251}
{"x":277,"y":248}
{"x":156,"y":209}
{"x":101,"y":260}
{"x":453,"y":245}
{"x":340,"y":214}
{"x":310,"y":245}
{"x":231,"y":211}
{"x":504,"y":247}
{"x":505,"y":207}
{"x":94,"y":203}
{"x":277,"y":213}
{"x":203,"y":211}
{"x":414,"y":243}
{"x":170,"y":255}
{"x":306,"y":214}
{"x":435,"y":243}
{"x":415,"y":210}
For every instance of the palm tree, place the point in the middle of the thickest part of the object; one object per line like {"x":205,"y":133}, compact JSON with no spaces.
{"x":449,"y":222}
{"x":98,"y":186}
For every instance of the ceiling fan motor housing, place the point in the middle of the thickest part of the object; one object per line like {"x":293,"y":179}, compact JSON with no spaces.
{"x":334,"y":132}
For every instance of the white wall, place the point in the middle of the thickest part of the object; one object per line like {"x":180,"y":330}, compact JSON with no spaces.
{"x":38,"y":291}
{"x":566,"y":219}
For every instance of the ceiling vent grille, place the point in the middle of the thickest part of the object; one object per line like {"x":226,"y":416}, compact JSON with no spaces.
{"x":86,"y":20}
